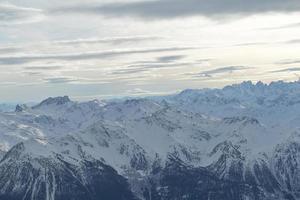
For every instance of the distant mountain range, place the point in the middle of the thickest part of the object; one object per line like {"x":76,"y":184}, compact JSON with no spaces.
{"x":241,"y":142}
{"x":4,"y":107}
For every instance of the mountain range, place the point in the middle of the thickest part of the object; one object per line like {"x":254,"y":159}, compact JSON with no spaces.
{"x":241,"y":142}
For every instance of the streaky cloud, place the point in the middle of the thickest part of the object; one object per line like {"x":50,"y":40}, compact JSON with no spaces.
{"x":19,"y":59}
{"x":294,"y":41}
{"x":43,"y":68}
{"x":60,"y":80}
{"x":149,"y":66}
{"x":288,"y":62}
{"x":293,"y":25}
{"x":110,"y":40}
{"x":172,"y":58}
{"x":8,"y":49}
{"x":11,"y":14}
{"x":221,"y":70}
{"x":160,"y":9}
{"x":292,"y":69}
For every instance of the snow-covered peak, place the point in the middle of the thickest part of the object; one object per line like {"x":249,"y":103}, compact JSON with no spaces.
{"x":246,"y":91}
{"x":54,"y":101}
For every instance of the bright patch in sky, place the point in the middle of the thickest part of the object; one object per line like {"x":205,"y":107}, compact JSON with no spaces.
{"x":103,"y":49}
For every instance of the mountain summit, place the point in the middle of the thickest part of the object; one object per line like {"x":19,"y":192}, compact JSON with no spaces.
{"x":54,"y":101}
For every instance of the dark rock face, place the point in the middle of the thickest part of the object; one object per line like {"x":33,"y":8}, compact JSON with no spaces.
{"x":232,"y":166}
{"x":21,"y":108}
{"x":180,"y":181}
{"x":286,"y":166}
{"x":196,"y":183}
{"x":183,"y":182}
{"x":24,"y":178}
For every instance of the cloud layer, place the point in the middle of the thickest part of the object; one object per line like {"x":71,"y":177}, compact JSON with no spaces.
{"x":221,"y":70}
{"x":20,"y":59}
{"x":107,"y":47}
{"x":180,"y":8}
{"x":11,"y":14}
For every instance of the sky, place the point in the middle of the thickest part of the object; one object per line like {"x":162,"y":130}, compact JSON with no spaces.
{"x":102,"y":49}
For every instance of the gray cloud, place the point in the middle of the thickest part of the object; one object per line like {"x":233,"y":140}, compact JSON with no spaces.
{"x":11,"y":14}
{"x":222,"y":70}
{"x":113,"y":40}
{"x":160,"y":60}
{"x":251,"y":44}
{"x":294,"y":41}
{"x":12,"y":60}
{"x":148,"y":66}
{"x":138,"y":91}
{"x":59,"y":80}
{"x":180,"y":8}
{"x":292,"y":69}
{"x":167,"y":59}
{"x":140,"y":68}
{"x":5,"y":50}
{"x":40,"y":70}
{"x":288,"y":62}
{"x":32,"y":73}
{"x":128,"y":71}
{"x":43,"y":68}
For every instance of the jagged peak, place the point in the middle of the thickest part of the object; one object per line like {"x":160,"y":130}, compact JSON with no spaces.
{"x":21,"y":108}
{"x":273,"y":93}
{"x":54,"y":101}
{"x":272,"y":85}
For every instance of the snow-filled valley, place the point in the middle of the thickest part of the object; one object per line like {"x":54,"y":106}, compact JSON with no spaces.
{"x":239,"y":142}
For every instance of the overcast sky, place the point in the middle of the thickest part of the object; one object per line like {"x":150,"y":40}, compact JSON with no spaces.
{"x":111,"y":48}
